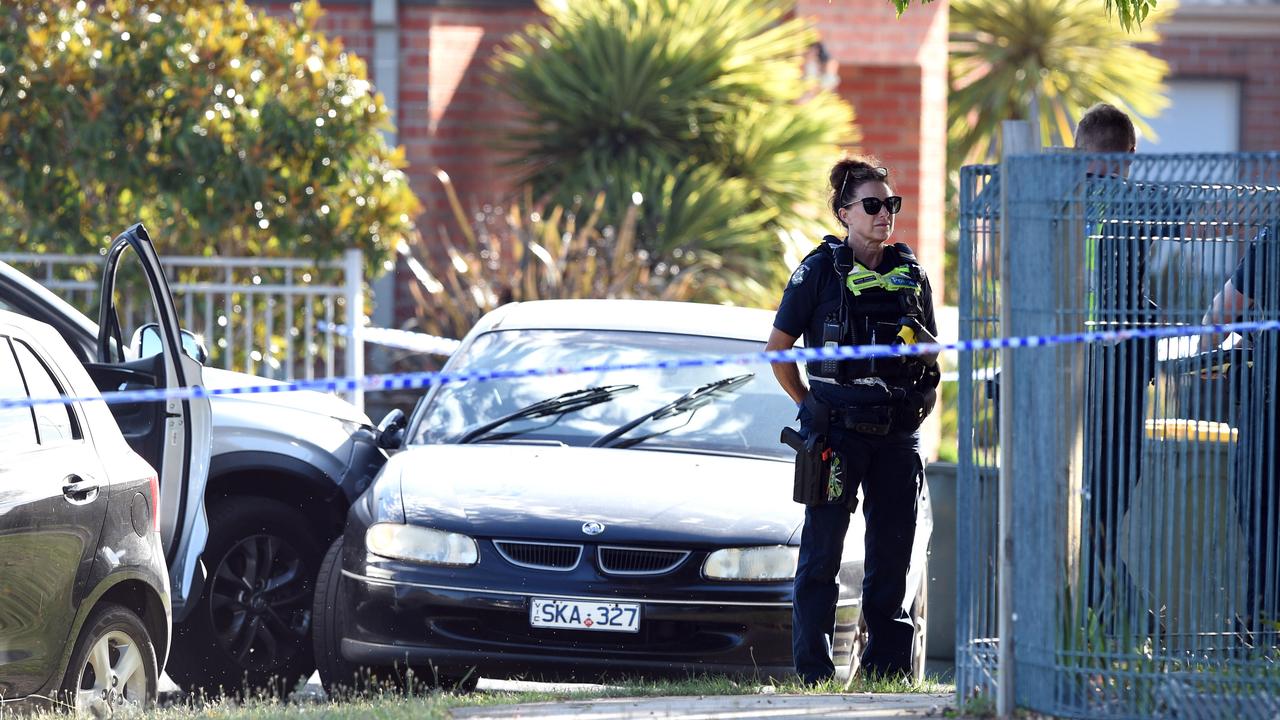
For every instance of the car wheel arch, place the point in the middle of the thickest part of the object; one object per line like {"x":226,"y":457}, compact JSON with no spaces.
{"x":133,"y":592}
{"x":299,"y":484}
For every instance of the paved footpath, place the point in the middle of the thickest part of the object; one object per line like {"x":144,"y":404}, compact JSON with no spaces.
{"x":725,"y":707}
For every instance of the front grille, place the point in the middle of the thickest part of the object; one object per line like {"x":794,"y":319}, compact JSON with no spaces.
{"x":639,"y":561}
{"x":540,"y":556}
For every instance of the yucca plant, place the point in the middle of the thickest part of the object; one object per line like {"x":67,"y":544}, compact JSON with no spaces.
{"x":694,"y":110}
{"x":1129,"y":13}
{"x":528,"y":251}
{"x":1051,"y":59}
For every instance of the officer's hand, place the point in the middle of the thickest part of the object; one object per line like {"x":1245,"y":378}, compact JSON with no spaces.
{"x":805,"y":416}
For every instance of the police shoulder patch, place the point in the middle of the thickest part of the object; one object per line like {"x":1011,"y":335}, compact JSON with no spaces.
{"x":797,"y":277}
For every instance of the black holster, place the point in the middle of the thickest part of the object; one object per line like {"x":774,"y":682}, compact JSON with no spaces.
{"x":814,"y":477}
{"x":813,"y":466}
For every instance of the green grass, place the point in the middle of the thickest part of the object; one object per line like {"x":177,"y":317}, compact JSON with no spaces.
{"x":436,"y":705}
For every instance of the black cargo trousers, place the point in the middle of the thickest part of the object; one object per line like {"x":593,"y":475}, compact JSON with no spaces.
{"x":889,"y":471}
{"x":1118,"y":376}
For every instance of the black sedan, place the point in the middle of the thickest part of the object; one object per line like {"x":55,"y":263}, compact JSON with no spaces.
{"x":585,"y":526}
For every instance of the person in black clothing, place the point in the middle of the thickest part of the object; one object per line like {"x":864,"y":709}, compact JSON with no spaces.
{"x":855,"y":291}
{"x":1118,"y":373}
{"x":1252,"y":293}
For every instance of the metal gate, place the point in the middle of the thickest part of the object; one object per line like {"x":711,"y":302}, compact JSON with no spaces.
{"x":272,"y":317}
{"x":1141,"y":476}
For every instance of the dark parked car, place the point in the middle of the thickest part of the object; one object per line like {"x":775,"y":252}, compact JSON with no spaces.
{"x":586,"y":525}
{"x":265,"y":492}
{"x":84,"y":591}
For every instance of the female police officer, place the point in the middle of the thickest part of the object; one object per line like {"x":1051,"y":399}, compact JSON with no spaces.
{"x":858,"y":291}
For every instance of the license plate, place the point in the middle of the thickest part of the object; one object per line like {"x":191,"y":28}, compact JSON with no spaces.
{"x":584,"y":615}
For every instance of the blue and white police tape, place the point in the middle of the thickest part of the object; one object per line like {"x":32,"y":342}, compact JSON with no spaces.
{"x":402,"y":339}
{"x":410,"y":381}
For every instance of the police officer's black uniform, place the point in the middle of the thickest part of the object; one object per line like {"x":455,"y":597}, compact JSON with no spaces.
{"x":1256,"y":469}
{"x":869,"y":411}
{"x":1118,"y":375}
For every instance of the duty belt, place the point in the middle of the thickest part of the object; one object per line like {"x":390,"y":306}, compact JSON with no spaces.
{"x":869,"y":419}
{"x":875,"y":417}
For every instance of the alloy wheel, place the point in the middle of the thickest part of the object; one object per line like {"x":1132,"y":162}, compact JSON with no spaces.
{"x":260,"y":601}
{"x":114,"y":675}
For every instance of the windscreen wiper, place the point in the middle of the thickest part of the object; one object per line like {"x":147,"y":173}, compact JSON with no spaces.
{"x":558,"y":405}
{"x":687,"y":402}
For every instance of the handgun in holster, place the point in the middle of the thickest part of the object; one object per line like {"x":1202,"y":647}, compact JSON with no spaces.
{"x":814,"y":457}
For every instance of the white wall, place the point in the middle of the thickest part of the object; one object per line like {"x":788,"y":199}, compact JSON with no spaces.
{"x":1203,"y":116}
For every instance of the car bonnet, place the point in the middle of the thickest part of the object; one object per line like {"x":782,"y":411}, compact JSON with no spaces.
{"x":553,"y":492}
{"x":302,"y":400}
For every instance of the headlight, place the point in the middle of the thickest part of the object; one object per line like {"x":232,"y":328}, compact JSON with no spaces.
{"x":777,"y":562}
{"x":419,"y":544}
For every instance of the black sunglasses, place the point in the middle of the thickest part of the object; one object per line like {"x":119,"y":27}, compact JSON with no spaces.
{"x":872,"y":205}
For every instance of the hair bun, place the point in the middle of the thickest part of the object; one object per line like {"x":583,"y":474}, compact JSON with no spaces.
{"x":851,"y":172}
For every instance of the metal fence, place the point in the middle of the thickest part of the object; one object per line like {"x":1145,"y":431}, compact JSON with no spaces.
{"x":272,"y":317}
{"x":977,"y":471}
{"x":1142,"y":543}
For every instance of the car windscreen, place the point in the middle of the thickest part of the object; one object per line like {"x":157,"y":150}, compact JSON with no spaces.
{"x":745,"y":421}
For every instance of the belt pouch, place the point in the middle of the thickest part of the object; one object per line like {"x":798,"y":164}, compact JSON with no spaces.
{"x":869,"y":420}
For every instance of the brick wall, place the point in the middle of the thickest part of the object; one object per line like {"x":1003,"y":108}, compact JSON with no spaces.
{"x":894,"y":72}
{"x":349,"y":21}
{"x":452,"y":114}
{"x":448,"y":114}
{"x":1253,"y":61}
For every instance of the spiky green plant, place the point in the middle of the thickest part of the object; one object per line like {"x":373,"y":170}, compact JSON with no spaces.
{"x":1130,"y":13}
{"x":698,"y":111}
{"x":530,"y":251}
{"x":1051,"y":59}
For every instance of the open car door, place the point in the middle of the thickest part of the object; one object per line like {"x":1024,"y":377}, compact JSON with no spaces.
{"x":173,"y":435}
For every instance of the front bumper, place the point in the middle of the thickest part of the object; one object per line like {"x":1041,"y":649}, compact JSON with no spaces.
{"x":455,"y":630}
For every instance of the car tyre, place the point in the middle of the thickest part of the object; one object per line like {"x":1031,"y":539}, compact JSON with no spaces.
{"x":855,"y":650}
{"x":920,"y":618}
{"x":251,"y":628}
{"x":919,"y":640}
{"x":113,"y":665}
{"x":339,"y":676}
{"x":343,"y":678}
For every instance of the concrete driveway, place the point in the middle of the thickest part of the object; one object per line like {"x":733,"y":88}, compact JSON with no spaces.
{"x":735,"y":707}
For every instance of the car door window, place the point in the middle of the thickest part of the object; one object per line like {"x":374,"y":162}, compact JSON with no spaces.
{"x":17,"y":424}
{"x":133,"y":301}
{"x":54,"y":423}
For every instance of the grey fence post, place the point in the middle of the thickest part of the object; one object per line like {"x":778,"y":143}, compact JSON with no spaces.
{"x":354,"y":268}
{"x":1036,"y":464}
{"x":1018,"y":137}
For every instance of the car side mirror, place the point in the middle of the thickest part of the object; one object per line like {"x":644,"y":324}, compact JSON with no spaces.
{"x":391,"y":430}
{"x":194,"y":347}
{"x":147,"y":342}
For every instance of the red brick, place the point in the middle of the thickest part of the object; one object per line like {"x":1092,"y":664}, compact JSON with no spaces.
{"x":893,"y":71}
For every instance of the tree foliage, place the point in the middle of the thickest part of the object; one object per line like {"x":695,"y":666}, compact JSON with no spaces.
{"x":227,"y":131}
{"x":1051,"y":59}
{"x":698,"y":112}
{"x":1130,"y":13}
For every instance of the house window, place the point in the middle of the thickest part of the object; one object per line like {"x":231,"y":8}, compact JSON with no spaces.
{"x":1203,"y":116}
